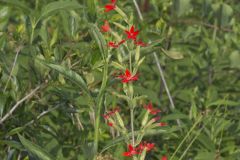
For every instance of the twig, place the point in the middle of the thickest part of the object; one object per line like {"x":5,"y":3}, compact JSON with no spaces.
{"x":138,"y":10}
{"x":13,"y":66}
{"x":79,"y":123}
{"x":199,"y":22}
{"x":41,"y":115}
{"x":163,"y":80}
{"x":18,"y":104}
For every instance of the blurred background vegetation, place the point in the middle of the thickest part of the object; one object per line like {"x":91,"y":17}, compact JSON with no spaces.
{"x":47,"y":48}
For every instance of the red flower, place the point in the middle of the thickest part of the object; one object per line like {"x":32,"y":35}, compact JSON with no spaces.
{"x":148,"y":146}
{"x":121,"y":42}
{"x":151,"y":110}
{"x":131,"y":151}
{"x":162,"y":124}
{"x":140,"y":43}
{"x":110,"y":113}
{"x":110,"y":124}
{"x":156,"y":118}
{"x":113,"y":45}
{"x":110,"y":6}
{"x":131,"y":34}
{"x":105,"y":27}
{"x":127,"y":77}
{"x":164,"y":158}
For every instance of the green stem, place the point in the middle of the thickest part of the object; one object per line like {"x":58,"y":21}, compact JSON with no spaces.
{"x":130,"y":61}
{"x":99,"y":108}
{"x":132,"y":126}
{"x":32,"y":34}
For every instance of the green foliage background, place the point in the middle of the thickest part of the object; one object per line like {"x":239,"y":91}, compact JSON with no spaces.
{"x":51,"y":45}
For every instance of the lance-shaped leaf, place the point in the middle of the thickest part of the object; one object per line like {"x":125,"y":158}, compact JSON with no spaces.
{"x":56,"y":6}
{"x":15,"y":3}
{"x":35,"y":149}
{"x":70,"y":74}
{"x":98,"y":37}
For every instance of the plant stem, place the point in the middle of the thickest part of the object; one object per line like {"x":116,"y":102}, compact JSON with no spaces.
{"x":130,"y":61}
{"x":32,"y":34}
{"x":99,"y":108}
{"x":132,"y":126}
{"x":13,"y":66}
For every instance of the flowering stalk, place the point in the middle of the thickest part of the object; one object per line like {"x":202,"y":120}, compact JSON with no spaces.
{"x":131,"y":43}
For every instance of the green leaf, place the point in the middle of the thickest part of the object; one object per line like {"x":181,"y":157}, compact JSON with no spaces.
{"x":17,"y":4}
{"x":12,"y":143}
{"x":35,"y":149}
{"x":235,"y":59}
{"x":56,"y":6}
{"x":174,"y":116}
{"x":71,"y":75}
{"x":173,"y":54}
{"x":3,"y":100}
{"x":181,"y":7}
{"x":15,"y":131}
{"x":99,"y":38}
{"x":223,"y":102}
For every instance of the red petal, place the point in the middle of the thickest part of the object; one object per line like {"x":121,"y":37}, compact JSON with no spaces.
{"x":127,"y":73}
{"x":162,"y":124}
{"x":125,"y":81}
{"x":110,"y":124}
{"x":109,"y":7}
{"x":164,"y":158}
{"x":130,"y":147}
{"x":132,"y":29}
{"x":127,"y":154}
{"x":121,"y":42}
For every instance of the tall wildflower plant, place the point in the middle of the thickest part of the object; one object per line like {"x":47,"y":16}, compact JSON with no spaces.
{"x":123,"y":39}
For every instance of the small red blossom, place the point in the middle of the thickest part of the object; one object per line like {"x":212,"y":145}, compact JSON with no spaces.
{"x":145,"y":145}
{"x":131,"y":151}
{"x":156,"y":118}
{"x":140,"y":43}
{"x":164,"y":158}
{"x":110,"y":6}
{"x":132,"y":33}
{"x":113,"y":44}
{"x":110,"y":113}
{"x":128,"y":77}
{"x":121,"y":42}
{"x":162,"y":124}
{"x":105,"y":27}
{"x":151,"y":110}
{"x":149,"y":146}
{"x":110,"y":124}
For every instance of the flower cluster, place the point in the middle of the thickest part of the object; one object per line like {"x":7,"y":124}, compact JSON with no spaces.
{"x":109,"y":114}
{"x":131,"y":33}
{"x":139,"y":149}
